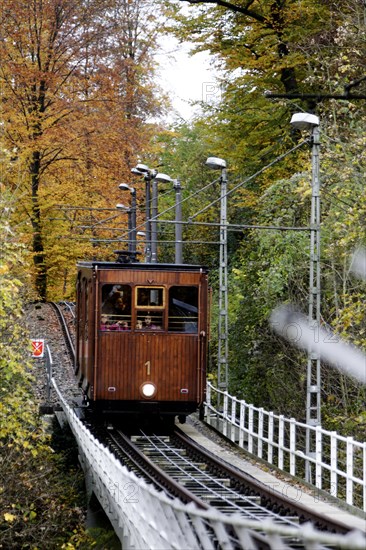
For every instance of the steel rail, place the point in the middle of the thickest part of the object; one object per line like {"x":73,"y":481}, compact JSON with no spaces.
{"x":249,"y":502}
{"x":212,"y":485}
{"x":125,"y":448}
{"x":65,"y":330}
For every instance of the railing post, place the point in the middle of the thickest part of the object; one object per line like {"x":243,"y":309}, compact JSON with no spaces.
{"x":260,"y":432}
{"x":208,"y":404}
{"x":250,"y":428}
{"x":270,"y":437}
{"x":333,"y":464}
{"x":233,"y":419}
{"x":292,"y":446}
{"x":281,"y":438}
{"x":242,"y":423}
{"x":318,"y":456}
{"x":225,"y":412}
{"x":349,"y":473}
{"x":49,"y":364}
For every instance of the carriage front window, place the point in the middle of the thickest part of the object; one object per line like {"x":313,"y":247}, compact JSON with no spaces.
{"x":149,"y":297}
{"x":183,"y":309}
{"x":150,"y":304}
{"x":116,"y":307}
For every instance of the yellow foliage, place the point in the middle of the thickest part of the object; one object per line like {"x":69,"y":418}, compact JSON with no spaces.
{"x":9,"y":517}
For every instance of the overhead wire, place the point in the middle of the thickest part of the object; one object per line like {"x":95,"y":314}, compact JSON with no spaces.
{"x":233,"y":227}
{"x":253,"y":176}
{"x":190,"y":222}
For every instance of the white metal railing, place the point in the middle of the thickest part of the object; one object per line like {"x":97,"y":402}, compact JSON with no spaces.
{"x":338,"y":465}
{"x":145,"y":518}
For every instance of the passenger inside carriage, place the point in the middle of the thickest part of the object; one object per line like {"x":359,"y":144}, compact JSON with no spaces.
{"x":116,"y":299}
{"x":116,"y":307}
{"x":104,"y":322}
{"x":149,"y":320}
{"x":109,"y":324}
{"x":149,"y":324}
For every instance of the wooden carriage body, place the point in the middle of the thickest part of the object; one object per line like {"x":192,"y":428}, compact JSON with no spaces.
{"x":142,"y":332}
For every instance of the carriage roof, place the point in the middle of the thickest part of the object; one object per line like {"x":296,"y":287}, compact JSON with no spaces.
{"x":95,"y":264}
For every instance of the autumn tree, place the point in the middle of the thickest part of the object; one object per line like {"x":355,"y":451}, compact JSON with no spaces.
{"x":75,"y":84}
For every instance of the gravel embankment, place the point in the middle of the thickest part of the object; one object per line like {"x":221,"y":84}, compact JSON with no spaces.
{"x":42,"y":323}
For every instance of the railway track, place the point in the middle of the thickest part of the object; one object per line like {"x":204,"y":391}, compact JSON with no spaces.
{"x":183,"y":469}
{"x":64,"y":324}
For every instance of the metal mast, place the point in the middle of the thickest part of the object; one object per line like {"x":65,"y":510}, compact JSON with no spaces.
{"x":223,"y":290}
{"x":223,"y":344}
{"x":308,"y":121}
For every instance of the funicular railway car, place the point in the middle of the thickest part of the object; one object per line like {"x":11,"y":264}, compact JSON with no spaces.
{"x":142,"y":337}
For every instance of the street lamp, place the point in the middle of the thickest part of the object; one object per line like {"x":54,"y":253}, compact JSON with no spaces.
{"x":307,"y":121}
{"x":151,"y":177}
{"x":222,"y":371}
{"x":143,"y":170}
{"x":132,"y":216}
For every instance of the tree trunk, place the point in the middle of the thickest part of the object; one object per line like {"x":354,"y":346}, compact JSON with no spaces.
{"x":38,"y":248}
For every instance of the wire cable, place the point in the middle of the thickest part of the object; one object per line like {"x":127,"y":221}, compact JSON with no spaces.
{"x":253,"y":176}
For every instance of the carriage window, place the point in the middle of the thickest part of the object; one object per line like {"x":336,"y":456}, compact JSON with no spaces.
{"x":150,"y":304}
{"x":149,"y":297}
{"x":183,"y":309}
{"x":116,"y":307}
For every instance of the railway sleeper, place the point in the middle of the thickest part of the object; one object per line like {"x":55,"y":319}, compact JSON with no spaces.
{"x":169,"y":454}
{"x":214,"y":484}
{"x":254,"y":503}
{"x":196,"y":467}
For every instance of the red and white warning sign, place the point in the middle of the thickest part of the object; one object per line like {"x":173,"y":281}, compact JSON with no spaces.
{"x":37,"y":348}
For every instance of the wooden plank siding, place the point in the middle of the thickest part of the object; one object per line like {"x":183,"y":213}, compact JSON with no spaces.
{"x":127,"y":276}
{"x":123,"y":364}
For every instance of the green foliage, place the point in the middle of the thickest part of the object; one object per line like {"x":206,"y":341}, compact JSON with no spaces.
{"x":183,"y":152}
{"x":262,"y":48}
{"x":272,"y":269}
{"x":40,"y":500}
{"x":299,"y":47}
{"x":282,"y":47}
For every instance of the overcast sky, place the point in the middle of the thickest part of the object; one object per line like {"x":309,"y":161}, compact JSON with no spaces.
{"x":186,"y":78}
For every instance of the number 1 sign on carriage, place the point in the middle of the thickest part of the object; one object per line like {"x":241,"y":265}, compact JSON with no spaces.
{"x":37,"y":348}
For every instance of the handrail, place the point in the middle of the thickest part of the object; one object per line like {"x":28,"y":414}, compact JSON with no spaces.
{"x":338,"y":465}
{"x":146,"y":518}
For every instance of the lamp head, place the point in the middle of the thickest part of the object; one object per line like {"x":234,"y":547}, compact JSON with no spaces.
{"x":142,"y":168}
{"x":304,"y":121}
{"x":137,"y":172}
{"x":163,"y":178}
{"x":124,"y":187}
{"x":215,"y":163}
